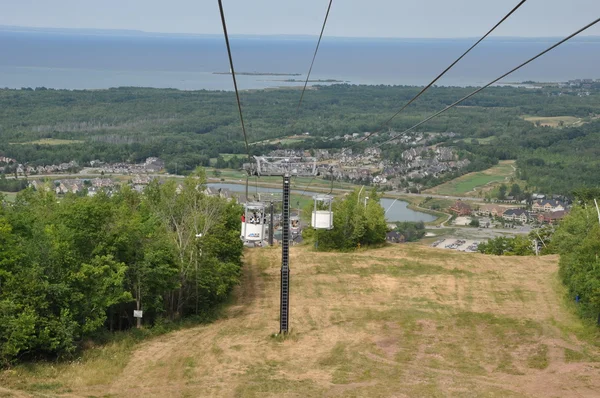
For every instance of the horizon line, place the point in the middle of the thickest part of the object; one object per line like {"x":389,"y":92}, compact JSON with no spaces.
{"x":137,"y":32}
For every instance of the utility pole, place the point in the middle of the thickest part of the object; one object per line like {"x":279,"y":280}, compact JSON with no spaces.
{"x":284,"y":167}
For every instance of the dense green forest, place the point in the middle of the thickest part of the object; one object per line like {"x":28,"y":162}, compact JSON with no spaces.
{"x":73,"y":268}
{"x":188,"y":128}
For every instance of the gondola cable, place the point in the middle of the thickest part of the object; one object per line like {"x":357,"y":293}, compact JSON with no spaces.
{"x":492,"y":82}
{"x":387,"y":122}
{"x":311,"y":65}
{"x":237,"y":94}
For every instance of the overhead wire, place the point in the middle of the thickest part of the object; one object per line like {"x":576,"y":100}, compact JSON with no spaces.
{"x":387,"y":122}
{"x":237,"y":94}
{"x":492,"y":82}
{"x":312,"y":63}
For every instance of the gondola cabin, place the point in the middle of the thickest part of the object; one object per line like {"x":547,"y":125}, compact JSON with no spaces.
{"x":322,"y":216}
{"x":254,"y":220}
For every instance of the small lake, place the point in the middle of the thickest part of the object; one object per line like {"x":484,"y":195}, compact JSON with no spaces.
{"x":397,"y":212}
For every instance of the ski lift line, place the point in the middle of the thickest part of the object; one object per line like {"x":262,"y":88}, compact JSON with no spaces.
{"x":311,"y":65}
{"x":308,"y":186}
{"x":388,"y":209}
{"x":492,"y":82}
{"x":443,"y":73}
{"x":538,"y":234}
{"x":237,"y":94}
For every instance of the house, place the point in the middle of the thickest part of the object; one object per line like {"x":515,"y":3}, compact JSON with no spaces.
{"x":551,"y":217}
{"x":516,"y":215}
{"x":374,"y":151}
{"x":394,"y":237}
{"x":492,"y":210}
{"x":461,"y":208}
{"x":39,"y":185}
{"x":379,"y":180}
{"x":547,"y":205}
{"x":154,"y":165}
{"x":141,"y":180}
{"x":102,"y":183}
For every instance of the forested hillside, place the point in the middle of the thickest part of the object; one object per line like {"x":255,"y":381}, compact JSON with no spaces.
{"x":187,"y":128}
{"x":72,"y":268}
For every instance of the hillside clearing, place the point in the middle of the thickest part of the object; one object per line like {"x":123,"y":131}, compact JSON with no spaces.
{"x":473,"y":183}
{"x":50,"y":141}
{"x":402,"y":321}
{"x":555,"y":121}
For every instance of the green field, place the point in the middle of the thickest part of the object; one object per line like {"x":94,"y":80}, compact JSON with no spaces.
{"x":473,"y":183}
{"x":481,"y":141}
{"x":50,"y":141}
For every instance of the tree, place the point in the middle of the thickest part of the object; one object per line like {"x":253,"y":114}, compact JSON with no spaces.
{"x":69,"y":268}
{"x":187,"y":216}
{"x":577,"y":240}
{"x":502,"y":191}
{"x":515,"y":191}
{"x":354,"y":223}
{"x":412,"y":231}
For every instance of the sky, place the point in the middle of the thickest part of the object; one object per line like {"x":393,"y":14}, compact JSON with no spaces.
{"x":348,"y":18}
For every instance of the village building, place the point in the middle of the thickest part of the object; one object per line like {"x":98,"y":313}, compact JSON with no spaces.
{"x":547,"y":205}
{"x":461,"y":208}
{"x":516,"y":215}
{"x":491,"y":210}
{"x":551,"y":217}
{"x":395,"y":237}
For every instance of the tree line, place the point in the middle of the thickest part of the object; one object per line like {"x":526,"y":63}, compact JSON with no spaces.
{"x":188,"y":129}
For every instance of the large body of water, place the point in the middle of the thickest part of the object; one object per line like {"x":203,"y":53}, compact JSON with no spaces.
{"x":396,"y":210}
{"x":65,"y":60}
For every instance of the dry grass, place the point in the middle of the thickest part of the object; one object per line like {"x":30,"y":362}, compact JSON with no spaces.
{"x":402,"y":321}
{"x":51,"y":141}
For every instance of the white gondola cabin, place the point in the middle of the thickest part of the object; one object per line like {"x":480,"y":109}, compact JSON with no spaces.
{"x":254,"y":220}
{"x":322,"y":216}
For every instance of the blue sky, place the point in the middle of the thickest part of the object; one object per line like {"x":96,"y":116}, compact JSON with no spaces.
{"x":350,"y":18}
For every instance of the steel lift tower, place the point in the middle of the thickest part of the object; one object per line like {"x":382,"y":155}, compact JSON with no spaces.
{"x":285,"y":167}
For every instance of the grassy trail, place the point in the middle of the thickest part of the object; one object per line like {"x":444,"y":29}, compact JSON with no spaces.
{"x":403,"y":321}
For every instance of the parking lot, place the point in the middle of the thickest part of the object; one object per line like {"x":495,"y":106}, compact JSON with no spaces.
{"x":463,"y":245}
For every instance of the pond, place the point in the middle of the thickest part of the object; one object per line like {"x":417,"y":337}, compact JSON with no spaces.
{"x":396,"y":210}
